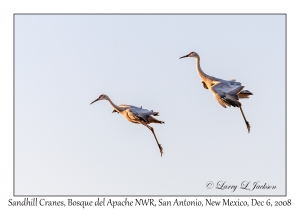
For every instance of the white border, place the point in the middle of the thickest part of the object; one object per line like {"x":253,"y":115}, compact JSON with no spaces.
{"x":8,"y":8}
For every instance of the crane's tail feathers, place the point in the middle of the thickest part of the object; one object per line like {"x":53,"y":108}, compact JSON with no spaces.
{"x":155,"y":113}
{"x":244,"y":94}
{"x":154,"y":120}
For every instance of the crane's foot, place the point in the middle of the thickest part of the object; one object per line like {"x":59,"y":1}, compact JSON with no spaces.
{"x":248,"y":126}
{"x":160,"y":149}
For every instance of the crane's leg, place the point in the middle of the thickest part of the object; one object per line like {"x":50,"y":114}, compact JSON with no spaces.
{"x":158,"y":144}
{"x":247,"y":123}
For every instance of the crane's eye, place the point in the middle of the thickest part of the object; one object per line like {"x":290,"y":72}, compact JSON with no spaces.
{"x":191,"y":53}
{"x":100,"y":96}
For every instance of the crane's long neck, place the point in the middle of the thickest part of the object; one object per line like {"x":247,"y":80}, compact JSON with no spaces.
{"x":201,"y":74}
{"x":119,"y":109}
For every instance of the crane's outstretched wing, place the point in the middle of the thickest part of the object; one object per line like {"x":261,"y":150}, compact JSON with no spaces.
{"x":226,"y":93}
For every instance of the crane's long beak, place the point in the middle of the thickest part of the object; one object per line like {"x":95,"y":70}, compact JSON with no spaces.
{"x":184,"y":56}
{"x":95,"y":101}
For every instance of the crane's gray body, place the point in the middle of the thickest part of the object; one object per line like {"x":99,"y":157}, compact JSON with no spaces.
{"x":226,"y":92}
{"x":135,"y":115}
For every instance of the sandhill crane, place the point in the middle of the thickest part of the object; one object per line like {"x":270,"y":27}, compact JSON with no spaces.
{"x":135,"y":115}
{"x":226,"y":92}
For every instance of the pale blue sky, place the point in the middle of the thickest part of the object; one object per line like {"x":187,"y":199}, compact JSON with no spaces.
{"x":64,"y":146}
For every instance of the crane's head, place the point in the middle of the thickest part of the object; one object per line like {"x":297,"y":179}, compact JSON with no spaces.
{"x":101,"y":97}
{"x":191,"y":54}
